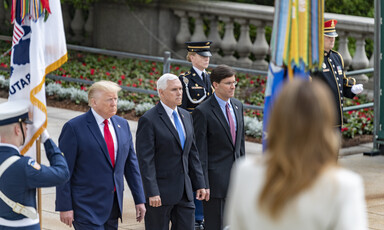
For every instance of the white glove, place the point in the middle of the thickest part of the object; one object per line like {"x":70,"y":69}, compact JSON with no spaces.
{"x":358,"y":88}
{"x":44,"y":136}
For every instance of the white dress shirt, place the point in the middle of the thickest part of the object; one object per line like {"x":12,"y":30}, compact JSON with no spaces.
{"x":169,"y":112}
{"x":199,"y":72}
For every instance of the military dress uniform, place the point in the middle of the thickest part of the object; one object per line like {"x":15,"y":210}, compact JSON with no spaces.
{"x":21,"y":175}
{"x":334,"y":76}
{"x":195,"y":90}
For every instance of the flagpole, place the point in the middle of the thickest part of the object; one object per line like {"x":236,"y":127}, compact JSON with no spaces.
{"x":38,"y":159}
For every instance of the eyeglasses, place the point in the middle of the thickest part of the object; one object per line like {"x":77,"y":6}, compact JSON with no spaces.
{"x":230,"y":83}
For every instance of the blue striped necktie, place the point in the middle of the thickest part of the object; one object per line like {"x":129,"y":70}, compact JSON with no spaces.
{"x":179,"y":129}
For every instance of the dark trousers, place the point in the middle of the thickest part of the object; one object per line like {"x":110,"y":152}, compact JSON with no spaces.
{"x":31,"y":227}
{"x":111,"y":224}
{"x":181,"y":215}
{"x":214,"y":213}
{"x":199,"y":214}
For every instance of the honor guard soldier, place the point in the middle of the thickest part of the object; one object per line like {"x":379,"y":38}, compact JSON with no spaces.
{"x":21,"y":175}
{"x":333,"y":72}
{"x":196,"y":89}
{"x":196,"y":82}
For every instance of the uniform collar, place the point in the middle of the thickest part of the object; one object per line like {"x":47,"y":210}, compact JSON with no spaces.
{"x":10,"y":146}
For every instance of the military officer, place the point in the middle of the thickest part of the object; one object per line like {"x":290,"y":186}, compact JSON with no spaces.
{"x":333,"y":72}
{"x":21,"y":175}
{"x":197,"y":88}
{"x":196,"y":82}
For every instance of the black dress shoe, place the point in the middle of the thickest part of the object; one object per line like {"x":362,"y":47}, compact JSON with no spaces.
{"x":199,"y":225}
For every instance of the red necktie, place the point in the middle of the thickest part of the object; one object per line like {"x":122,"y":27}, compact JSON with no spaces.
{"x":231,"y":123}
{"x":109,"y":140}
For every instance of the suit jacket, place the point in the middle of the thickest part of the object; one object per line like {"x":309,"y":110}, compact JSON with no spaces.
{"x":167,"y":169}
{"x":339,"y":84}
{"x":214,"y":142}
{"x":90,"y":191}
{"x":195,"y":90}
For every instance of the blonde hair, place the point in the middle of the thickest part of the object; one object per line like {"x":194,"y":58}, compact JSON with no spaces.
{"x":189,"y":54}
{"x":301,"y":143}
{"x":104,"y":86}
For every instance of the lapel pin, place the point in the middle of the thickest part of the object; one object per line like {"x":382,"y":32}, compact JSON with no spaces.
{"x":236,"y":107}
{"x":118,"y":126}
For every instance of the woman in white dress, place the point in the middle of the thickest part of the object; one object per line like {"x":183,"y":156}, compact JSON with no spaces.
{"x":298,"y":184}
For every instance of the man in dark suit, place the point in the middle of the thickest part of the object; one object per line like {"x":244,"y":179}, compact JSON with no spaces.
{"x":219,"y":131}
{"x":169,"y":161}
{"x":99,"y":150}
{"x":196,"y":82}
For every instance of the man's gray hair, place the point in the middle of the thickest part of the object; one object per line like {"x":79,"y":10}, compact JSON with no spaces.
{"x":162,"y":83}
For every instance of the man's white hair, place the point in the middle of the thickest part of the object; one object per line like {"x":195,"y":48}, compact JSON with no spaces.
{"x":162,"y":83}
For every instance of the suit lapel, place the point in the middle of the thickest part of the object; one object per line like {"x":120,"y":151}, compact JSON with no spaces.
{"x":164,"y":117}
{"x":220,"y":116}
{"x":95,"y":130}
{"x":239,"y":121}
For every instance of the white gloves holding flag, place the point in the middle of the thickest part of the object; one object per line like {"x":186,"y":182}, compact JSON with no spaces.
{"x":44,"y":136}
{"x":357,"y":88}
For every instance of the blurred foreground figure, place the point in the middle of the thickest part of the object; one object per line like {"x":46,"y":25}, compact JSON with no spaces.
{"x":298,"y":185}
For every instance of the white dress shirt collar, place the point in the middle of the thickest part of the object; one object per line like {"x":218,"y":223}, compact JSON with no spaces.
{"x":199,"y":72}
{"x":99,"y":119}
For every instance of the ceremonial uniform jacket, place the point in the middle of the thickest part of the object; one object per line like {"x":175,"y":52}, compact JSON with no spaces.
{"x":20,"y":180}
{"x":195,"y":90}
{"x":339,"y":84}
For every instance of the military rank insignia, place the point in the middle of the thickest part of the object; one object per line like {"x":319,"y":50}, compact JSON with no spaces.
{"x":34,"y":164}
{"x":339,"y":70}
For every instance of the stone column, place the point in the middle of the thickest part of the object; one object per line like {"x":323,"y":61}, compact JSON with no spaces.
{"x":77,"y":26}
{"x":260,"y":47}
{"x":228,"y":44}
{"x":88,"y":27}
{"x":198,"y":34}
{"x":244,"y":45}
{"x":343,"y":49}
{"x":183,"y":35}
{"x":214,"y":36}
{"x":372,"y":61}
{"x":360,"y":60}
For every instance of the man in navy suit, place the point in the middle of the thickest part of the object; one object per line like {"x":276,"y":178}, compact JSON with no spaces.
{"x":169,"y":161}
{"x":219,"y":131}
{"x":99,"y":150}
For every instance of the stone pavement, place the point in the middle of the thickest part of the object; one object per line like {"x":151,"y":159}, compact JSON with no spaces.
{"x":370,"y":168}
